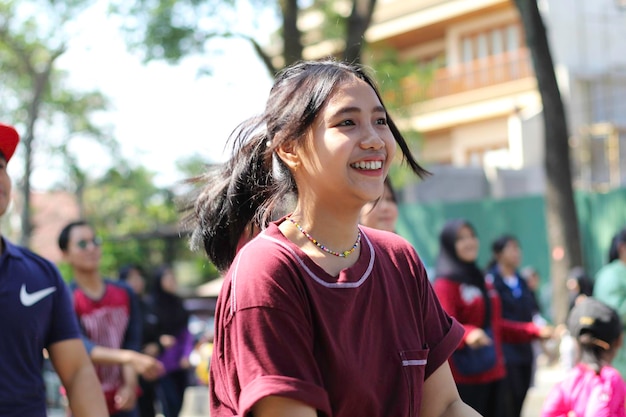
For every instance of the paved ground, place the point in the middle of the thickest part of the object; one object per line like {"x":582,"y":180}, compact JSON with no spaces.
{"x":546,"y":377}
{"x":196,"y":398}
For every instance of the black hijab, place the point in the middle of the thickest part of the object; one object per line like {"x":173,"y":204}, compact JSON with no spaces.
{"x":169,"y":308}
{"x":448,"y":263}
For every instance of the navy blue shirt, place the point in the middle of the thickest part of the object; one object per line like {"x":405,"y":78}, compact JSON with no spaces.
{"x":35,"y":312}
{"x":518,"y":304}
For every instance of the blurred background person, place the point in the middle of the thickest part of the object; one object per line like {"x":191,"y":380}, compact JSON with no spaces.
{"x":519,"y":305}
{"x":610,"y":287}
{"x":579,"y":285}
{"x":176,"y":340}
{"x":134,"y":276}
{"x":382,"y":214}
{"x":37,"y":314}
{"x":108,"y":313}
{"x":466,"y":295}
{"x":593,"y":388}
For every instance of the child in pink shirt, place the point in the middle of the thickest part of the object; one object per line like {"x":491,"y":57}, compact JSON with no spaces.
{"x":593,"y":388}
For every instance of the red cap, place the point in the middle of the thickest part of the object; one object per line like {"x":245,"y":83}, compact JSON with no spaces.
{"x":8,"y":140}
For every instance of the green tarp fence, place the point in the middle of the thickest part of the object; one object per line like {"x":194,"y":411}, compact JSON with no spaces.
{"x":600,"y":216}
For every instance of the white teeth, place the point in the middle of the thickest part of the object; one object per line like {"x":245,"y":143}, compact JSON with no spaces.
{"x":369,"y":165}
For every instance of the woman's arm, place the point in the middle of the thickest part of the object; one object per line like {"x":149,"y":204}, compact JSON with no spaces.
{"x":274,"y":406}
{"x":440,"y":397}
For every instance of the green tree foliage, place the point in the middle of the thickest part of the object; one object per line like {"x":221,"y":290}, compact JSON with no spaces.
{"x":172,"y":29}
{"x":35,"y":95}
{"x":192,"y":166}
{"x":138,"y":222}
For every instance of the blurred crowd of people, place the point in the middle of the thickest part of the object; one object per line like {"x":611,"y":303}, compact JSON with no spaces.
{"x":498,"y":306}
{"x":135,"y":327}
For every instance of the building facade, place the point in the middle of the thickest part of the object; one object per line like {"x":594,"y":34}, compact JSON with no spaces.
{"x":480,"y":109}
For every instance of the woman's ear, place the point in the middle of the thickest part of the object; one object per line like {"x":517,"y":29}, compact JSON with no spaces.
{"x":287,"y":153}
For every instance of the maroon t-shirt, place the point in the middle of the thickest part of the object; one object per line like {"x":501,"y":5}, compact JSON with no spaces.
{"x":360,"y":344}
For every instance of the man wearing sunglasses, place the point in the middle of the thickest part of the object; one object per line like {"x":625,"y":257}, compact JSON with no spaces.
{"x":36,"y":313}
{"x":109,"y":316}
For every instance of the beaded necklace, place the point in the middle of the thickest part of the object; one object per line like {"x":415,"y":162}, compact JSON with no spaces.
{"x":343,"y":254}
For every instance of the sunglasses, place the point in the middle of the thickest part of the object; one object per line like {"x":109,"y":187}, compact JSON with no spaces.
{"x":84,"y":243}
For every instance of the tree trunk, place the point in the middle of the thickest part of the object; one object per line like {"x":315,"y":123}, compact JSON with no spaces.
{"x":292,"y":42}
{"x":40,"y":82}
{"x":561,"y":217}
{"x":358,"y":22}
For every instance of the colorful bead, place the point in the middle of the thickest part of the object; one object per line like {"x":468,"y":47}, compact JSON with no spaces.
{"x":343,"y":254}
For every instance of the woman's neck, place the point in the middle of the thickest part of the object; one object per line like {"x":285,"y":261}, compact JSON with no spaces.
{"x":335,"y":230}
{"x":337,"y":234}
{"x":506,"y":270}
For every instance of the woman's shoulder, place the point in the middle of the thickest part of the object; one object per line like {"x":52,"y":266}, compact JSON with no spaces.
{"x":264,"y":267}
{"x":270,"y":248}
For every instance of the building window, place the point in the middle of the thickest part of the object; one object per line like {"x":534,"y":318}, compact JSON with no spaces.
{"x":494,"y":42}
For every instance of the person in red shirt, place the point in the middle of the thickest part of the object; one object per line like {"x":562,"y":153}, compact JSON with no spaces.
{"x":319,"y":316}
{"x":467,"y":296}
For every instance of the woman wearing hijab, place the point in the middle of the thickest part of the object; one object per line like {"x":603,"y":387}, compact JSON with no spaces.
{"x":466,"y":295}
{"x":175,"y":338}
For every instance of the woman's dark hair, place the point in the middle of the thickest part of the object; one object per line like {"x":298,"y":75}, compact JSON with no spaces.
{"x":585,"y":283}
{"x":497,"y":246}
{"x":618,"y":239}
{"x":596,"y":326}
{"x":125,"y":270}
{"x":252,"y":187}
{"x":392,"y":190}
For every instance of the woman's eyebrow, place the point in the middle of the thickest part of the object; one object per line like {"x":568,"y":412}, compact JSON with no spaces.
{"x":355,"y":109}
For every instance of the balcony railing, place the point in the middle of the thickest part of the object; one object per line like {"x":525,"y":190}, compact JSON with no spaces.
{"x":485,"y":72}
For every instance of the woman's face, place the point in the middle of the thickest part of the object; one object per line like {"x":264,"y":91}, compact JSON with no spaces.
{"x":466,"y":245}
{"x":511,"y":255}
{"x":168,"y":282}
{"x":348,"y":150}
{"x":382,"y":214}
{"x":135,"y":281}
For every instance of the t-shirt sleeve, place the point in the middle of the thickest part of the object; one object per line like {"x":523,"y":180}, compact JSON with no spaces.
{"x":266,"y":338}
{"x":64,"y":324}
{"x":443,"y":332}
{"x":272,"y":350}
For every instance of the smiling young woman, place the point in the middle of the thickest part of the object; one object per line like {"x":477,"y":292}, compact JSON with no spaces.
{"x":290,"y":337}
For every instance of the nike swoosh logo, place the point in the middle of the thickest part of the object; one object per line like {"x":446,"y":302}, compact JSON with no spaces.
{"x":32,"y":298}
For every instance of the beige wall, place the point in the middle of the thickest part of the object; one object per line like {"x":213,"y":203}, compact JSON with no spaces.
{"x":454,"y":146}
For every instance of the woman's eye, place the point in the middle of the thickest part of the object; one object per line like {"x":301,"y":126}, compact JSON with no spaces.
{"x":346,"y":123}
{"x":381,"y":121}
